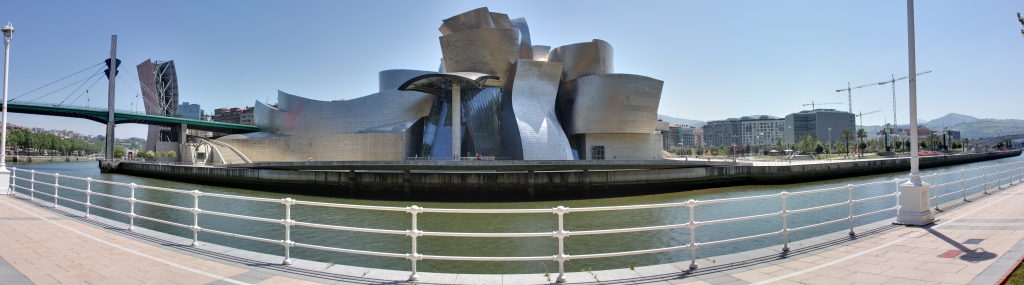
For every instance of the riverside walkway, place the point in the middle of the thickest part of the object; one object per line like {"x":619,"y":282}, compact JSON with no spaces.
{"x":972,"y":243}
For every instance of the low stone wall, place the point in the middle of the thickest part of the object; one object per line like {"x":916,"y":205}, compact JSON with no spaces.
{"x":26,"y":158}
{"x":525,"y":185}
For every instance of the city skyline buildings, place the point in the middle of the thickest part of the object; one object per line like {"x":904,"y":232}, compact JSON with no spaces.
{"x":809,"y":49}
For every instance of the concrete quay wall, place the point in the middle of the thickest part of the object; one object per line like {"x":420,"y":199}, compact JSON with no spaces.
{"x":519,"y":185}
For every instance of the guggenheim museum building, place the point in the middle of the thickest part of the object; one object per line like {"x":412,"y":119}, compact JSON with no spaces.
{"x":496,"y":95}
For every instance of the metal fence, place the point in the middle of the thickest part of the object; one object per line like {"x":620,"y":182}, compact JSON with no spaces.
{"x":997,"y":176}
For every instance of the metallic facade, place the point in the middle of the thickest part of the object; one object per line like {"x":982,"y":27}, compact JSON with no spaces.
{"x":583,"y":59}
{"x":540,"y":53}
{"x":515,"y":100}
{"x":490,"y":51}
{"x":610,"y":103}
{"x":533,"y":130}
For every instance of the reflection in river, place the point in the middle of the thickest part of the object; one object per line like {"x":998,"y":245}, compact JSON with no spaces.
{"x":536,"y":246}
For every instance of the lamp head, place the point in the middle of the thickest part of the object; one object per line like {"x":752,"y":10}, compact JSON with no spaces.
{"x":8,"y":30}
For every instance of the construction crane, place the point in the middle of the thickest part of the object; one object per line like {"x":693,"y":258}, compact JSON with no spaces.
{"x":861,"y":115}
{"x":893,"y":82}
{"x":849,"y":93}
{"x":814,"y":108}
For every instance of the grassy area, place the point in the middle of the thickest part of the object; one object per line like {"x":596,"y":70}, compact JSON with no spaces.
{"x":1017,"y":277}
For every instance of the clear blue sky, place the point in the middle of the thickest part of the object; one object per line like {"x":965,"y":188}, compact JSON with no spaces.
{"x":718,"y":59}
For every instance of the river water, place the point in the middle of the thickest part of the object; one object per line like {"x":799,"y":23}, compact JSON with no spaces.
{"x":457,"y":246}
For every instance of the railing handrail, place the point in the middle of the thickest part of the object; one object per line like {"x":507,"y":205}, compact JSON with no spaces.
{"x":1001,"y":172}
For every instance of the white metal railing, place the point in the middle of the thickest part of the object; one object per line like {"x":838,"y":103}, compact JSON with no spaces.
{"x":1002,"y":172}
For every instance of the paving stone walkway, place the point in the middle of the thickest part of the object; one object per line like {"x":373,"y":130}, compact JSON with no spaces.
{"x":972,"y":243}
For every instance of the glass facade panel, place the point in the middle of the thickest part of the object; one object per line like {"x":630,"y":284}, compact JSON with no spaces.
{"x":481,"y":124}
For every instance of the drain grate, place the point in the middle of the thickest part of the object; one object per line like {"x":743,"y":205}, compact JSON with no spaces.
{"x":974,"y":241}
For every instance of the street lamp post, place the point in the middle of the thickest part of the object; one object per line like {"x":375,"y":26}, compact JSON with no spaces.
{"x":5,"y":175}
{"x":914,"y":208}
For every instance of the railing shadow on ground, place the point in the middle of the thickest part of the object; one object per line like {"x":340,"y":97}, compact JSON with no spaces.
{"x":1007,"y":172}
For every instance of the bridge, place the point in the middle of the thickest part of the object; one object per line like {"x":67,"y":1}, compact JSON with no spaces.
{"x":99,"y":115}
{"x":989,"y":142}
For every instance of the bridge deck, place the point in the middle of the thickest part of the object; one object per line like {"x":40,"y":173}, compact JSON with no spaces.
{"x":125,"y":117}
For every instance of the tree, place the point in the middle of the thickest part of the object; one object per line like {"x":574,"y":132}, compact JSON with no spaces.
{"x":118,"y":152}
{"x":171,"y":154}
{"x":861,"y":134}
{"x":846,"y":135}
{"x":933,"y":140}
{"x":819,"y":149}
{"x":1019,"y":18}
{"x":862,"y":146}
{"x":898,"y":145}
{"x":149,"y":154}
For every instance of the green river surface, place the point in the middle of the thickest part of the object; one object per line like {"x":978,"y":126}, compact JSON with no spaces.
{"x":530,"y":246}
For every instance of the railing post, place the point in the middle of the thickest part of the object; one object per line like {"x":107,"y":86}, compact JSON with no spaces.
{"x":963,"y":184}
{"x":999,"y":176}
{"x":984,"y":177}
{"x":785,"y":225}
{"x":131,"y":214}
{"x":195,"y":217}
{"x":561,"y":234}
{"x":88,"y":195}
{"x":693,"y":234}
{"x":849,"y":203}
{"x":287,"y":222}
{"x":32,"y":186}
{"x":414,"y":233}
{"x":896,"y":181}
{"x":935,"y":197}
{"x":14,"y":173}
{"x":56,"y":186}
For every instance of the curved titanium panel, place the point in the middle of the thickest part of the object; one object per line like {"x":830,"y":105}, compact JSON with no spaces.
{"x":501,"y":21}
{"x":490,"y":51}
{"x":610,"y":103}
{"x":525,"y":46}
{"x":392,"y":78}
{"x":583,"y":59}
{"x":536,"y":130}
{"x":304,"y":117}
{"x":479,"y":18}
{"x":540,"y":53}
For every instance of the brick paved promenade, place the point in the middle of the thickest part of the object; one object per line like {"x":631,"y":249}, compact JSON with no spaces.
{"x":973,"y":243}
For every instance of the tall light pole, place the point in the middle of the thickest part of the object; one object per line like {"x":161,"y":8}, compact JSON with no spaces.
{"x":914,"y":209}
{"x":5,"y":175}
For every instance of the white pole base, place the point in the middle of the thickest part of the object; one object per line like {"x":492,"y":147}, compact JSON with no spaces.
{"x":914,"y":208}
{"x":5,"y":181}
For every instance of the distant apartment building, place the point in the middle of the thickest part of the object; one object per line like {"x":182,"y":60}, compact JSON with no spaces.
{"x":190,"y":111}
{"x":228,"y":115}
{"x":234,"y":116}
{"x":722,"y":132}
{"x":817,"y":123}
{"x":747,"y":130}
{"x":762,"y":130}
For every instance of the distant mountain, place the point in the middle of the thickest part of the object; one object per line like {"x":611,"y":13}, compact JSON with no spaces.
{"x":679,"y":121}
{"x":949,"y":120}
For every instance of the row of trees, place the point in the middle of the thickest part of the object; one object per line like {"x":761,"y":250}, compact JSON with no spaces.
{"x":149,"y":154}
{"x":29,"y":143}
